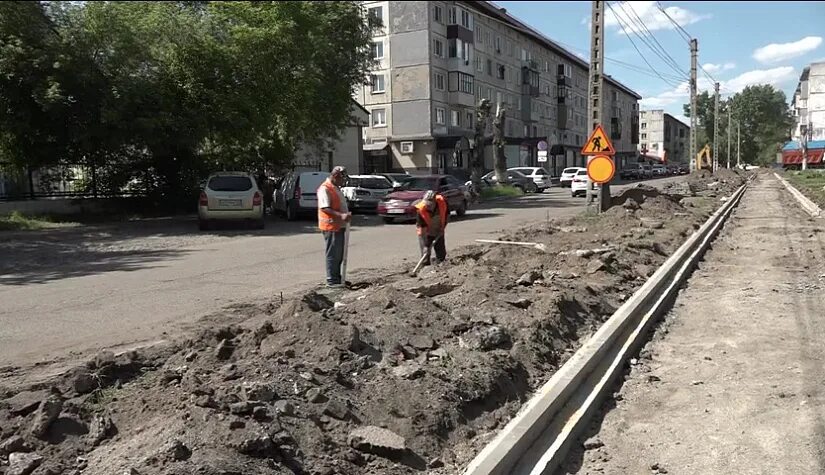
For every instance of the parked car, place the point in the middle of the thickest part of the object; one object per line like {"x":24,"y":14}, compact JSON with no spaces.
{"x":297,"y":194}
{"x":363,"y":192}
{"x":578,"y":186}
{"x":230,"y":196}
{"x":400,"y":204}
{"x":632,"y":171}
{"x":659,"y":170}
{"x":684,"y":170}
{"x":538,"y":174}
{"x":567,"y":175}
{"x":647,"y":171}
{"x":396,"y":178}
{"x":514,"y":178}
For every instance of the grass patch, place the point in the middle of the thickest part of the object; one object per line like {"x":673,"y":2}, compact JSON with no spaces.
{"x":810,"y":183}
{"x":504,"y":191}
{"x":17,"y":221}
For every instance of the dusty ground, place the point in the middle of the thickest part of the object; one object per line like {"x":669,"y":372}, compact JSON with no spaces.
{"x":732,"y":383}
{"x":93,"y":287}
{"x":402,"y":375}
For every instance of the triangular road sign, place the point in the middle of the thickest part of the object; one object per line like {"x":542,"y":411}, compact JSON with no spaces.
{"x":598,"y":143}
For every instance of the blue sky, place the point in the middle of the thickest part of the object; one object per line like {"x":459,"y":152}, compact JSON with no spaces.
{"x":740,"y":43}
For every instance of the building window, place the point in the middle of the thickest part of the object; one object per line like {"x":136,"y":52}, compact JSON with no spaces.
{"x":498,"y":97}
{"x":465,"y":83}
{"x":377,"y":83}
{"x":377,"y":49}
{"x":455,"y":116}
{"x":644,"y":125}
{"x":469,"y":117}
{"x":466,"y":20}
{"x":438,"y":48}
{"x":565,"y":70}
{"x":518,"y":104}
{"x":439,"y":116}
{"x":438,"y":14}
{"x":442,"y":160}
{"x":376,"y":16}
{"x":500,"y":70}
{"x":489,"y":67}
{"x":379,"y":118}
{"x":644,"y":136}
{"x":479,"y":64}
{"x":498,"y":44}
{"x":451,"y":19}
{"x":523,"y":54}
{"x":526,"y":131}
{"x":478,"y":34}
{"x":439,"y":81}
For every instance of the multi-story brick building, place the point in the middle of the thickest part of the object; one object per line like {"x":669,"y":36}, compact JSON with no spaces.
{"x":662,"y":136}
{"x":808,"y":103}
{"x":435,"y":62}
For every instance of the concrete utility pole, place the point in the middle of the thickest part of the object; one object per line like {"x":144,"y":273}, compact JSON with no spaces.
{"x":596,"y":92}
{"x":694,"y":51}
{"x":738,"y":144}
{"x":716,"y":127}
{"x":729,"y":130}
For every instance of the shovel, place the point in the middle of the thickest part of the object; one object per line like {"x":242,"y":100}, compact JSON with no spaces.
{"x":535,"y":245}
{"x":344,"y":260}
{"x":421,"y":261}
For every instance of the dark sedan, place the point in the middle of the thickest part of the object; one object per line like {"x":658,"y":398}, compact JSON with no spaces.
{"x":400,"y":205}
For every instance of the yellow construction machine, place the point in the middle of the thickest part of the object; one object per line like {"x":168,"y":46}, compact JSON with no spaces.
{"x":703,"y":159}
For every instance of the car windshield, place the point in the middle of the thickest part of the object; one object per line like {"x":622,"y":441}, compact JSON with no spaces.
{"x":371,"y":183}
{"x":230,"y":183}
{"x":582,"y":172}
{"x":420,"y":184}
{"x":570,"y":170}
{"x":399,"y":177}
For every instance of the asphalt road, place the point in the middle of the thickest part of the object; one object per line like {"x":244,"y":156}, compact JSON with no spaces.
{"x":73,"y":291}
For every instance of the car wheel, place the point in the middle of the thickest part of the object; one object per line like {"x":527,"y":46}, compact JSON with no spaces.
{"x":387,"y":220}
{"x":462,"y":210}
{"x":291,"y":212}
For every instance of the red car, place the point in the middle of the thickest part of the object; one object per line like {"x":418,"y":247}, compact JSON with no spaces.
{"x":400,"y":204}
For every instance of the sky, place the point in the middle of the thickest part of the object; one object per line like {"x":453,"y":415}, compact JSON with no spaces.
{"x":740,"y":43}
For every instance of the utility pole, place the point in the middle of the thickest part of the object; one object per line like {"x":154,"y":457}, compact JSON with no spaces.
{"x":729,"y":116}
{"x":738,"y":144}
{"x":805,"y":142}
{"x":716,"y":127}
{"x":595,"y":107}
{"x":694,"y":51}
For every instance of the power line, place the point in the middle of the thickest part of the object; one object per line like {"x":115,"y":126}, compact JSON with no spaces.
{"x":621,"y":24}
{"x":634,"y":67}
{"x":661,"y":51}
{"x":679,"y":28}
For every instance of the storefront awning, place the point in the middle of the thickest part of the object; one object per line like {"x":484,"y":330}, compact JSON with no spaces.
{"x":374,"y":147}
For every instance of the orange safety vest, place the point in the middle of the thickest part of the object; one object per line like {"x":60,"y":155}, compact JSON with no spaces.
{"x":441,"y":204}
{"x":326,"y":222}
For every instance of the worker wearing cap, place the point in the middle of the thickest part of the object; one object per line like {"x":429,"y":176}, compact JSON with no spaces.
{"x":333,"y":217}
{"x":431,"y":222}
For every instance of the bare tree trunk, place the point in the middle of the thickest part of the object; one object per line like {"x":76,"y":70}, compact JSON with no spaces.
{"x":482,"y":116}
{"x":498,"y":145}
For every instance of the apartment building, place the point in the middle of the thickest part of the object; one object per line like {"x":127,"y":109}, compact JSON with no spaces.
{"x":435,"y":62}
{"x":808,"y":103}
{"x":663,"y":137}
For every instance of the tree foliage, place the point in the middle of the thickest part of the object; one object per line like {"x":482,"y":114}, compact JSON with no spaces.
{"x":163,"y":92}
{"x":764,"y":122}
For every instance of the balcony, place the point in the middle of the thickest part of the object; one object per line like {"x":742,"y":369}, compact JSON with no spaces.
{"x":564,"y":81}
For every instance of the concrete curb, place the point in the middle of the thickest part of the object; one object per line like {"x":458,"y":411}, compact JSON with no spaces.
{"x":537,"y":440}
{"x":809,"y":206}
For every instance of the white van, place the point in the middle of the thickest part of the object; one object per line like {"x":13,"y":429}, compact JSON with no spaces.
{"x":297,"y":194}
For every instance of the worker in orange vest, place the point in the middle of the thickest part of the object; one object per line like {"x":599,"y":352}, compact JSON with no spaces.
{"x":333,"y":216}
{"x":431,"y":222}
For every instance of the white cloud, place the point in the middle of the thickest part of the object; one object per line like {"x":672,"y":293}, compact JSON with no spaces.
{"x":775,"y":52}
{"x":715,"y":68}
{"x":650,"y":16}
{"x":681,"y":93}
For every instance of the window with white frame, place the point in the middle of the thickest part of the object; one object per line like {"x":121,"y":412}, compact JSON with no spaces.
{"x":466,"y":20}
{"x":377,"y":49}
{"x":518,"y":104}
{"x":479,"y":64}
{"x":379,"y":117}
{"x":376,"y":16}
{"x":438,"y":14}
{"x":644,"y":136}
{"x":455,"y":117}
{"x":465,"y":83}
{"x":377,"y":83}
{"x":479,"y":36}
{"x":526,"y":130}
{"x":438,"y":48}
{"x":438,"y":80}
{"x":469,"y":120}
{"x":451,"y":16}
{"x":565,"y":70}
{"x":440,"y":118}
{"x":523,"y":54}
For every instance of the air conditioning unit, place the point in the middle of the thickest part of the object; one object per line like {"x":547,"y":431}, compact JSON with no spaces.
{"x":406,"y":147}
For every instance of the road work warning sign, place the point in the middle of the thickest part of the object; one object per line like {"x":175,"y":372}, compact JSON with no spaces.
{"x":598,"y":143}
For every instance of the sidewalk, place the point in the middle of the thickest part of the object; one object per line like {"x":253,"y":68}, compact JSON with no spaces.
{"x":733,"y":381}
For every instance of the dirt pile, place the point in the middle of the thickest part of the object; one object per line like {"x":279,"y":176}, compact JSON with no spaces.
{"x":403,"y":375}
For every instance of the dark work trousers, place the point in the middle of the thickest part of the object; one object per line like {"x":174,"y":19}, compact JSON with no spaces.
{"x":426,"y":243}
{"x":335,"y":255}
